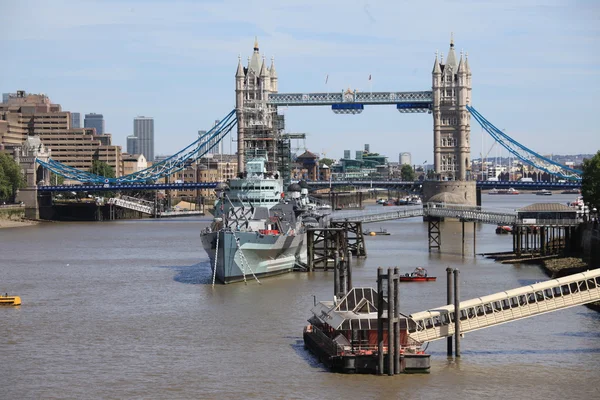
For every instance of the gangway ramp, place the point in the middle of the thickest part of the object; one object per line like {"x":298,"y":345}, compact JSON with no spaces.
{"x":437,"y":210}
{"x":507,"y":306}
{"x":131,"y":203}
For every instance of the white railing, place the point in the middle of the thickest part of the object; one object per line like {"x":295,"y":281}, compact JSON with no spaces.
{"x":131,"y":205}
{"x":511,"y":305}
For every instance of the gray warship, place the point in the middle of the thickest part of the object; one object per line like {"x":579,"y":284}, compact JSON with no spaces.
{"x":259,"y":229}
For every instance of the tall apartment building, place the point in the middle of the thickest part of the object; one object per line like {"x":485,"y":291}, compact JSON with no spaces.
{"x":35,"y":114}
{"x":96,"y":121}
{"x":132,"y":145}
{"x":143,"y":131}
{"x":75,"y":120}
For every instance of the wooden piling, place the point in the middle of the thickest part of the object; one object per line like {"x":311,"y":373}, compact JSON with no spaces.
{"x":463,"y":237}
{"x":380,"y":321}
{"x":449,"y":301}
{"x":474,"y":239}
{"x":390,"y":319}
{"x":456,"y":313}
{"x":396,"y":321}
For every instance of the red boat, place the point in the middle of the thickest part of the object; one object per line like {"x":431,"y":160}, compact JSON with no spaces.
{"x":418,"y":275}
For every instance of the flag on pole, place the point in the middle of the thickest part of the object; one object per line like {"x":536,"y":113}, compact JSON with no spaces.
{"x":326,"y":78}
{"x":369,"y":76}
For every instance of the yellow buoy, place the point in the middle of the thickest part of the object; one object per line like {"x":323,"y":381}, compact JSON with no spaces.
{"x":10,"y":300}
{"x":372,"y":234}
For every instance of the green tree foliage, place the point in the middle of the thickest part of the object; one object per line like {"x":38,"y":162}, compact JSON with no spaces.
{"x":326,"y":161}
{"x":590,"y":184}
{"x":11,"y":178}
{"x":103,"y":169}
{"x":407,"y":173}
{"x":56,"y":179}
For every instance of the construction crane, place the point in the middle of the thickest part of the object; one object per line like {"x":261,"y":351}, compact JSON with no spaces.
{"x":483,"y":158}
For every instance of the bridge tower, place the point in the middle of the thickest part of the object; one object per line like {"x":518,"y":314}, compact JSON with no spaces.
{"x":257,"y":121}
{"x":35,"y":174}
{"x":451,"y":87}
{"x":451,"y":90}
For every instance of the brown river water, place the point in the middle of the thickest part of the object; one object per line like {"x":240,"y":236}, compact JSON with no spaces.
{"x":126,"y":310}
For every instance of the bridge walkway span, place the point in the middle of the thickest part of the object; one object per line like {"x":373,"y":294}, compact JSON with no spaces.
{"x":438,"y":210}
{"x":131,"y":203}
{"x":507,"y":306}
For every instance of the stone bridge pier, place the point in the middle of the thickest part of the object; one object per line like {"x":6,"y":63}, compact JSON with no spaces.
{"x":35,"y":174}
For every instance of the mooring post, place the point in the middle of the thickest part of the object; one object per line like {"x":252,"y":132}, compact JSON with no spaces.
{"x":348,"y":270}
{"x":456,"y":313}
{"x":310,"y":249}
{"x":450,"y":301}
{"x":396,"y":322}
{"x":336,"y":275}
{"x":379,"y":321}
{"x":474,"y":239}
{"x":463,"y":237}
{"x":390,"y":321}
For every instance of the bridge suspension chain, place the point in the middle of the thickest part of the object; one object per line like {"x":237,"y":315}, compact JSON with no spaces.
{"x":175,"y":163}
{"x":525,"y":154}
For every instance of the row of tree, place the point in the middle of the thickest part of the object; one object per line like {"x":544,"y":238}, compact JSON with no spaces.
{"x":11,"y":178}
{"x":590,"y":184}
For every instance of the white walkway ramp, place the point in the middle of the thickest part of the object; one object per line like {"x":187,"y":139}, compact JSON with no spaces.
{"x":133,"y":204}
{"x":511,"y":305}
{"x":439,"y":210}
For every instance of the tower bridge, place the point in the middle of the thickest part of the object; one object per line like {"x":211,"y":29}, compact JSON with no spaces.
{"x":260,"y":130}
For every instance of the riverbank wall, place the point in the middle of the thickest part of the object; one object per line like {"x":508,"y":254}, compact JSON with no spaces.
{"x":14,"y":217}
{"x":586,"y":256}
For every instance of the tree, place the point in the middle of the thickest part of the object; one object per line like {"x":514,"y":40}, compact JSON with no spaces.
{"x":102,"y":169}
{"x":56,"y":179}
{"x":11,"y":178}
{"x":326,"y":161}
{"x":590,"y":183}
{"x":407,"y":173}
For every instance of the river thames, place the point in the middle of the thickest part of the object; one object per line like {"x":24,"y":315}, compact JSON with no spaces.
{"x":125,"y":309}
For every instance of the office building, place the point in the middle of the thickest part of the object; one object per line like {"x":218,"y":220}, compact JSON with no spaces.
{"x":347,"y":154}
{"x":143,"y":130}
{"x":405,"y":158}
{"x":75,"y":120}
{"x":132,"y":145}
{"x":96,"y":121}
{"x":35,"y":114}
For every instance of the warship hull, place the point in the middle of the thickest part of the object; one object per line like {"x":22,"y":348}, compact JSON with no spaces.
{"x":258,"y":254}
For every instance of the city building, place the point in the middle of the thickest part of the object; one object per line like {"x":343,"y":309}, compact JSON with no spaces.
{"x":132,"y":144}
{"x":211,"y":168}
{"x":75,"y":120}
{"x":95,"y":121}
{"x":405,"y":158}
{"x":131,"y":163}
{"x":451,"y":89}
{"x":34,"y":114}
{"x":347,"y":154}
{"x":143,"y":130}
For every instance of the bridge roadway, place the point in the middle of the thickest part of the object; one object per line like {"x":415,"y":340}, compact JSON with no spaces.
{"x":439,"y":210}
{"x":313,"y":185}
{"x":507,"y":306}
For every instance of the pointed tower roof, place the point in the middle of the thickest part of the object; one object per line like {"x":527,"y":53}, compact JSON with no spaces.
{"x":461,"y":62}
{"x":240,"y":70}
{"x":467,"y":68}
{"x":273,"y":72}
{"x":254,"y":63}
{"x":451,"y":59}
{"x":436,"y":65}
{"x":264,"y":71}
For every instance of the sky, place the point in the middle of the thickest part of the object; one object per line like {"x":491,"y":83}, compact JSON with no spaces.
{"x":535,"y":65}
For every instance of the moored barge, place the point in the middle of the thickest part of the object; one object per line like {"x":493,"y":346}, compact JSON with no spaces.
{"x":343,"y":336}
